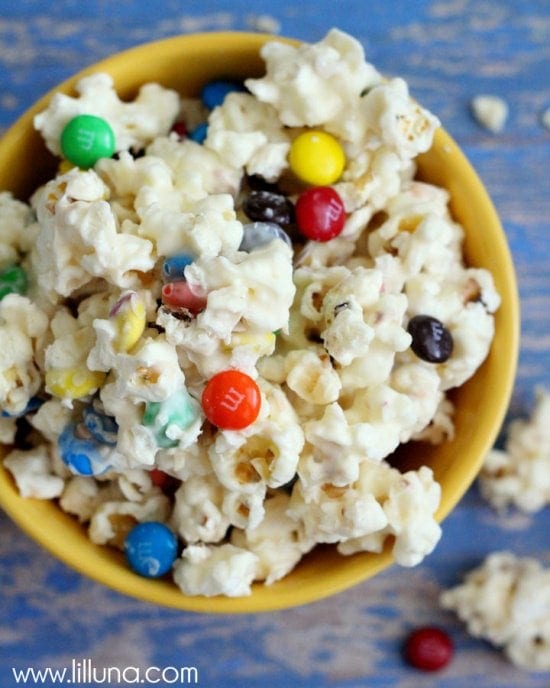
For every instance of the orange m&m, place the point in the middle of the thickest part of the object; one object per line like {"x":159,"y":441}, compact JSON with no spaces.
{"x":231,"y":400}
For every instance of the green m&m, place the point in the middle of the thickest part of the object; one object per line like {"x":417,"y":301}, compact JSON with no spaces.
{"x":87,"y":138}
{"x":13,"y":280}
{"x":179,"y":410}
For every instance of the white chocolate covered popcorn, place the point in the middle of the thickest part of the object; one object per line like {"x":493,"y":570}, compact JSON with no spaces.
{"x":215,"y":570}
{"x":506,"y":600}
{"x":156,"y":270}
{"x":33,"y":473}
{"x":76,"y":220}
{"x":134,"y":123}
{"x":17,"y":230}
{"x":22,"y":328}
{"x":278,"y":541}
{"x":519,"y":475}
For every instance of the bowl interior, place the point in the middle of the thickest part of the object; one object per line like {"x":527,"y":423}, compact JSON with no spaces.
{"x":185,"y":63}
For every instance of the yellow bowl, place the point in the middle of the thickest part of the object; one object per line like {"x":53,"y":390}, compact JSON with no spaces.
{"x":185,"y":63}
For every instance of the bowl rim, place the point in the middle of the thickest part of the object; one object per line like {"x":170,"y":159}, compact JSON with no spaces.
{"x":108,"y":571}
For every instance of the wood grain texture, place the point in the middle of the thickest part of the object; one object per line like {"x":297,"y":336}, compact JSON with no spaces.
{"x":449,"y":51}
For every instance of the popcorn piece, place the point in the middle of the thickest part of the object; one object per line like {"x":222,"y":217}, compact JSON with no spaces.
{"x":197,"y":514}
{"x":490,"y":111}
{"x":22,"y":328}
{"x":8,"y":428}
{"x":506,"y":600}
{"x":245,"y":509}
{"x":312,"y":377}
{"x":33,"y":473}
{"x":520,"y":475}
{"x":215,"y":570}
{"x":180,"y":185}
{"x":264,"y":23}
{"x":251,"y":295}
{"x":80,"y":497}
{"x":402,"y":125}
{"x":76,"y":220}
{"x":134,"y":123}
{"x":247,"y":133}
{"x":312,"y":85}
{"x":263,"y":454}
{"x":17,"y":229}
{"x":277,"y":541}
{"x":336,"y":514}
{"x":197,"y":170}
{"x":409,"y":501}
{"x":51,"y":418}
{"x":112,"y":520}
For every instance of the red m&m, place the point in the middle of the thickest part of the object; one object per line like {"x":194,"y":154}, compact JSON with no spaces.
{"x":428,"y":648}
{"x":179,"y":295}
{"x":231,"y":400}
{"x":320,"y":213}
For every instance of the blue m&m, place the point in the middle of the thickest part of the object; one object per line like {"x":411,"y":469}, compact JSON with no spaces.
{"x":258,"y":234}
{"x":198,"y":135}
{"x":81,"y":451}
{"x":173,"y":267}
{"x":101,"y":427}
{"x":214,"y":92}
{"x":33,"y":404}
{"x":151,"y":549}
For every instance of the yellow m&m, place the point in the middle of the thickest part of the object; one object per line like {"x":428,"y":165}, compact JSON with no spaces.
{"x":129,"y":317}
{"x":73,"y":383}
{"x":316,"y":158}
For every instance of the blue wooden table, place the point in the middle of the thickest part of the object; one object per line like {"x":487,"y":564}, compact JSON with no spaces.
{"x":449,"y":51}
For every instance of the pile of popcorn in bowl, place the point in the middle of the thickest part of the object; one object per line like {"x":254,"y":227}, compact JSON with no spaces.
{"x":224,"y":314}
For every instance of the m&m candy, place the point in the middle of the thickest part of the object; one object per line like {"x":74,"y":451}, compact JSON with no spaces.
{"x":320,"y":213}
{"x":73,"y":383}
{"x":151,"y":549}
{"x":101,"y":427}
{"x":87,"y":138}
{"x":316,"y":158}
{"x":231,"y":400}
{"x":179,"y":129}
{"x":258,"y":234}
{"x":215,"y":91}
{"x":13,"y":280}
{"x":179,"y":410}
{"x":431,"y":340}
{"x":129,"y":317}
{"x":262,"y":205}
{"x":173,"y":267}
{"x":198,"y":135}
{"x":179,"y":295}
{"x":428,"y":648}
{"x":81,"y":451}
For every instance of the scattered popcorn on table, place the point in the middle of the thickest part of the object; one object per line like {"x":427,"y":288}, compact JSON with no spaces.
{"x":519,"y":475}
{"x":490,"y":111}
{"x":506,"y":600}
{"x":223,"y":315}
